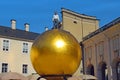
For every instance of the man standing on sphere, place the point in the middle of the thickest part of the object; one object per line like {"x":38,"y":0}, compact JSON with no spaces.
{"x":56,"y":20}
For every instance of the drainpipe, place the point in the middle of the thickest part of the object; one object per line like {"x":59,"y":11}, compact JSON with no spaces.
{"x":82,"y":48}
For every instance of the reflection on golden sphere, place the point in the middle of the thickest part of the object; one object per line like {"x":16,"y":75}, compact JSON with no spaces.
{"x":55,"y":52}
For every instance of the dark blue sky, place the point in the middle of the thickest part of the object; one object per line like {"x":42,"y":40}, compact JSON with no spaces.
{"x":38,"y":13}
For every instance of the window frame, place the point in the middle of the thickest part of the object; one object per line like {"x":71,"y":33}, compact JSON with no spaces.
{"x":25,"y":47}
{"x":6,"y":44}
{"x":25,"y":68}
{"x":88,"y":52}
{"x":101,"y":48}
{"x":4,"y":67}
{"x":115,"y":45}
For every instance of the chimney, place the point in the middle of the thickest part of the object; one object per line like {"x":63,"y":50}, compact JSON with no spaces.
{"x":46,"y":28}
{"x":26,"y":27}
{"x":13,"y":24}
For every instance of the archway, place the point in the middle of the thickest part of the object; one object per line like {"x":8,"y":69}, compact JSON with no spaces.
{"x":90,"y":69}
{"x":116,"y":69}
{"x":102,"y":71}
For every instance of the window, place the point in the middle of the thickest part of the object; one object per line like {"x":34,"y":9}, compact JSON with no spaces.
{"x":4,"y":67}
{"x":101,"y":48}
{"x":25,"y":47}
{"x":5,"y":45}
{"x":25,"y":68}
{"x":88,"y":51}
{"x":75,"y":22}
{"x":115,"y":43}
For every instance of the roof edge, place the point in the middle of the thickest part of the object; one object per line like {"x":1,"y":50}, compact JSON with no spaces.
{"x":21,"y":39}
{"x":105,"y":27}
{"x":78,"y":14}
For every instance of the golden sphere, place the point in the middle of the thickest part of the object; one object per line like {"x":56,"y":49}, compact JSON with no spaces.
{"x":55,"y":52}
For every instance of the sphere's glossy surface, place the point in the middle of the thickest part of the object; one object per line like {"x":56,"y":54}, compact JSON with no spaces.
{"x":55,"y":52}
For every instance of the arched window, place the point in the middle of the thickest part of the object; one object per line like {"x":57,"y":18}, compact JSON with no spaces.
{"x":118,"y":71}
{"x":90,"y":70}
{"x":104,"y":72}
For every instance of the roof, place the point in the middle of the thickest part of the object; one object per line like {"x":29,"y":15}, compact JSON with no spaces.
{"x":78,"y":14}
{"x":105,"y":27}
{"x":17,"y":33}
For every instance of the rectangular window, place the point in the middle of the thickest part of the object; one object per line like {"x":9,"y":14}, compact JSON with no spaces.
{"x":101,"y":48}
{"x":25,"y":47}
{"x":88,"y":52}
{"x":5,"y":45}
{"x":25,"y":68}
{"x":4,"y":67}
{"x":115,"y":44}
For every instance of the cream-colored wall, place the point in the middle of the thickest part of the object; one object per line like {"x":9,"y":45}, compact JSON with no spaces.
{"x":89,"y":26}
{"x":113,"y":31}
{"x":83,"y":27}
{"x":14,"y":57}
{"x":73,"y":28}
{"x":105,"y":36}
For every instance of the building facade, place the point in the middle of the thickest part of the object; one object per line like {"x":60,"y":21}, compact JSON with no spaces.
{"x":15,"y":48}
{"x":101,"y":52}
{"x":79,"y":25}
{"x":15,"y":44}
